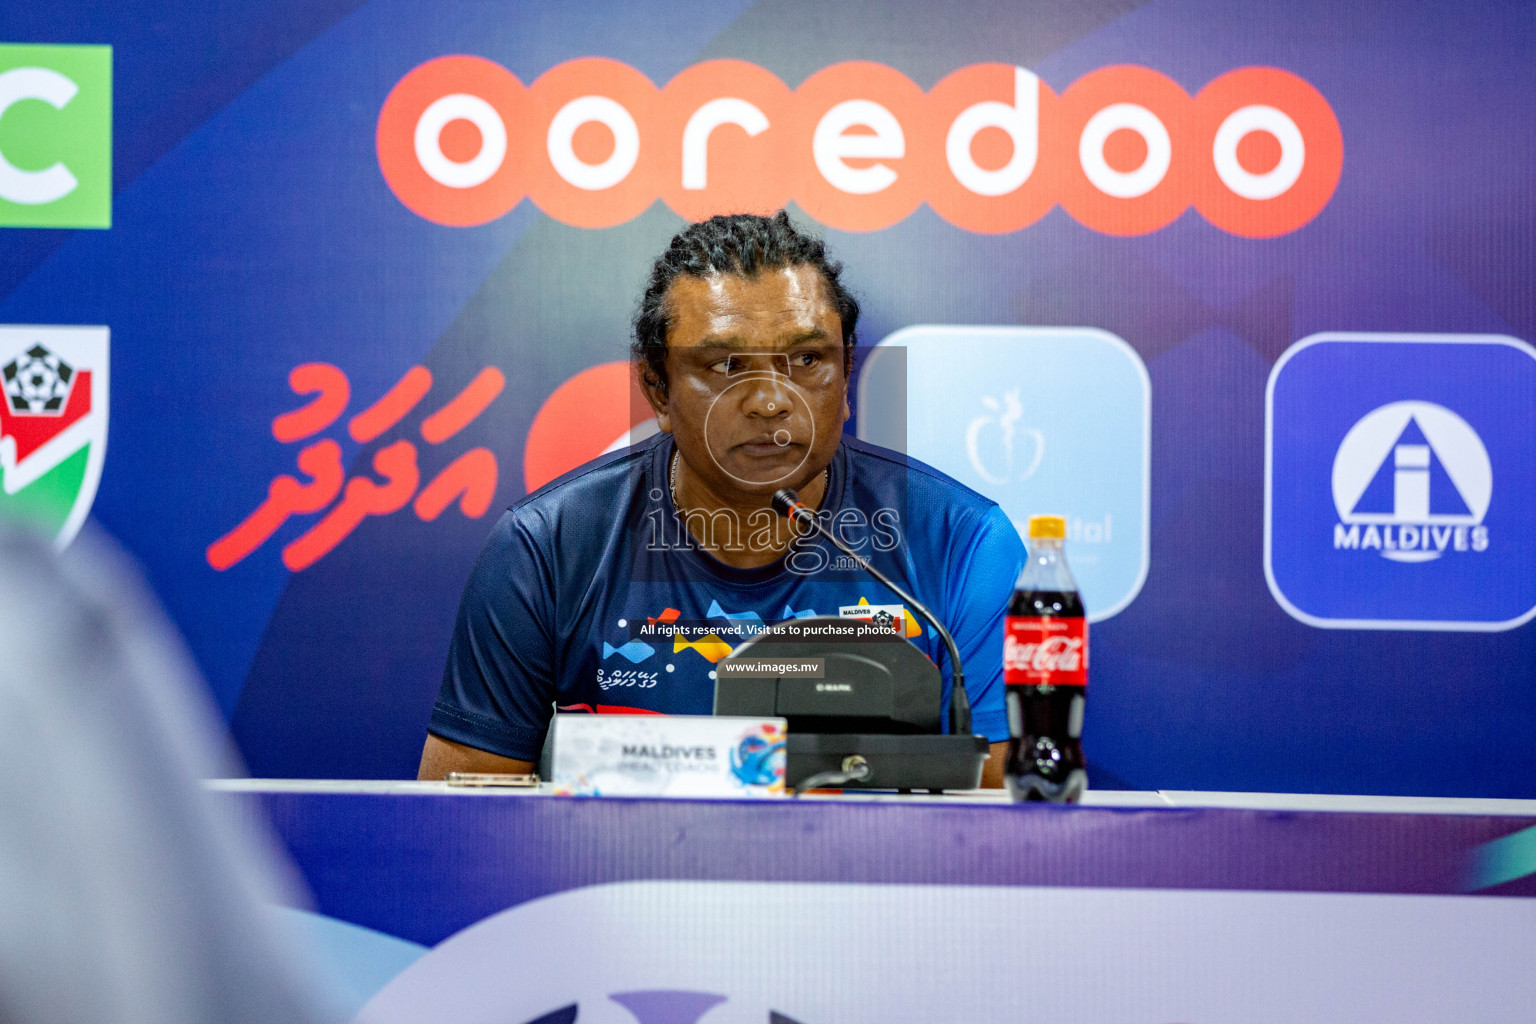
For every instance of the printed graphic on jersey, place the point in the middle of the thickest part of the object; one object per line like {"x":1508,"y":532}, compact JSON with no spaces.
{"x":709,"y":646}
{"x":893,"y":616}
{"x":1401,"y":480}
{"x":635,"y":651}
{"x":716,"y":612}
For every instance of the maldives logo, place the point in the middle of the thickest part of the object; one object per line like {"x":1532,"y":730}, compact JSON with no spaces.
{"x":53,"y":424}
{"x":1417,"y":478}
{"x":1400,"y":481}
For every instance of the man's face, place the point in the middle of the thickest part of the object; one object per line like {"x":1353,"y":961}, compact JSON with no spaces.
{"x":757,"y":390}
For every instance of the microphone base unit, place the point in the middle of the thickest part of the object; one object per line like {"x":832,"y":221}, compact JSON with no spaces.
{"x":900,"y":762}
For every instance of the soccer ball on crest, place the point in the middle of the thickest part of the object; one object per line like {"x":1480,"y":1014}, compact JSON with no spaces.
{"x":37,"y":382}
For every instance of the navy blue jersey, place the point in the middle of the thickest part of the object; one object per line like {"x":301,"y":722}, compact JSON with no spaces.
{"x":590,"y":595}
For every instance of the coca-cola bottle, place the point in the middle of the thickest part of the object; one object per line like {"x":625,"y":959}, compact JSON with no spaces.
{"x":1045,"y":672}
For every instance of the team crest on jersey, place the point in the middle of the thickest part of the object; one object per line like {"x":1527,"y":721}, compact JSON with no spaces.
{"x":53,"y":424}
{"x":892,"y":616}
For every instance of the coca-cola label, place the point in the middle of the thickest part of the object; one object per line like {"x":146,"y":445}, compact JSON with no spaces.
{"x":1037,"y":651}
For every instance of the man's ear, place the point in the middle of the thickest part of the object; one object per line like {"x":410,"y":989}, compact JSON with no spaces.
{"x":655,"y":393}
{"x":847,"y":378}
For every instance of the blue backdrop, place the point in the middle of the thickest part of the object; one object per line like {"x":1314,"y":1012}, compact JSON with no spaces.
{"x":252,"y":232}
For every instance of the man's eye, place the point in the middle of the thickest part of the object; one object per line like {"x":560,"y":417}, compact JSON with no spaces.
{"x":807,"y":358}
{"x":726,"y":365}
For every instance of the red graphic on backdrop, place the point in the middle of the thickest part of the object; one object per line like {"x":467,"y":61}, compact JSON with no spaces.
{"x":1040,"y":651}
{"x":1124,"y":149}
{"x":470,"y":479}
{"x":597,"y":410}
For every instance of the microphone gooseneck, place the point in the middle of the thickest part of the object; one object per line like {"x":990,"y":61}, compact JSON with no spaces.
{"x":788,"y":504}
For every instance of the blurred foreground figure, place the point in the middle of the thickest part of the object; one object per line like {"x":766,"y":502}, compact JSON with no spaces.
{"x":125,"y":896}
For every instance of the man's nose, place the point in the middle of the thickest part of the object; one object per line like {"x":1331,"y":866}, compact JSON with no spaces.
{"x":767,"y":395}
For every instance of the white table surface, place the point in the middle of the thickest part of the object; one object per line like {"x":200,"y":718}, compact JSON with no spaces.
{"x":1094,"y":798}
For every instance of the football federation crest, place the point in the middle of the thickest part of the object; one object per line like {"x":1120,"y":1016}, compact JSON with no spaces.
{"x":53,"y":424}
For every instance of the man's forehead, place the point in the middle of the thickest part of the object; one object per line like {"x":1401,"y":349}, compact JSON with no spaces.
{"x":794,"y":292}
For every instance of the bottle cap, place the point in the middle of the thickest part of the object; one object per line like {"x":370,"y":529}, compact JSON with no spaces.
{"x":1048,"y":526}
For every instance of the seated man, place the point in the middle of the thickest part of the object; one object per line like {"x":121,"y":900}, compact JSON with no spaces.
{"x":744,"y":344}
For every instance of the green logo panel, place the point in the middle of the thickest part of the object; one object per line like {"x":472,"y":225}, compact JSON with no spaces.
{"x":55,"y":136}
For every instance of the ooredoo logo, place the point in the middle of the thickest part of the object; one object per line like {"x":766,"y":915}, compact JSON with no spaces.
{"x":991,"y":148}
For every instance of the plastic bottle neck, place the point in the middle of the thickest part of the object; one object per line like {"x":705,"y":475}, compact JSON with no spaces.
{"x":1046,"y":568}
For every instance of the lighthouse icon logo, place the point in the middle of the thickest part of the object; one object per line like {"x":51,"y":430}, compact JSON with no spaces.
{"x":1411,"y":453}
{"x":1413,"y":481}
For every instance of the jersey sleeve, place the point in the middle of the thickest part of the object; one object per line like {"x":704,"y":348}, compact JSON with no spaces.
{"x":982,"y":575}
{"x":499,"y":681}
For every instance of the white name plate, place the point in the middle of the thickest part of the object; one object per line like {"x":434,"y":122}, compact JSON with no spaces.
{"x":668,"y":755}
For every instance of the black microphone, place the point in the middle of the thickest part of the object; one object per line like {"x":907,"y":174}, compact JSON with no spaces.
{"x":788,"y":504}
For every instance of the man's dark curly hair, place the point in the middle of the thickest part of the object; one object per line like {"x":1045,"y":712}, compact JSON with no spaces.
{"x":743,"y":244}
